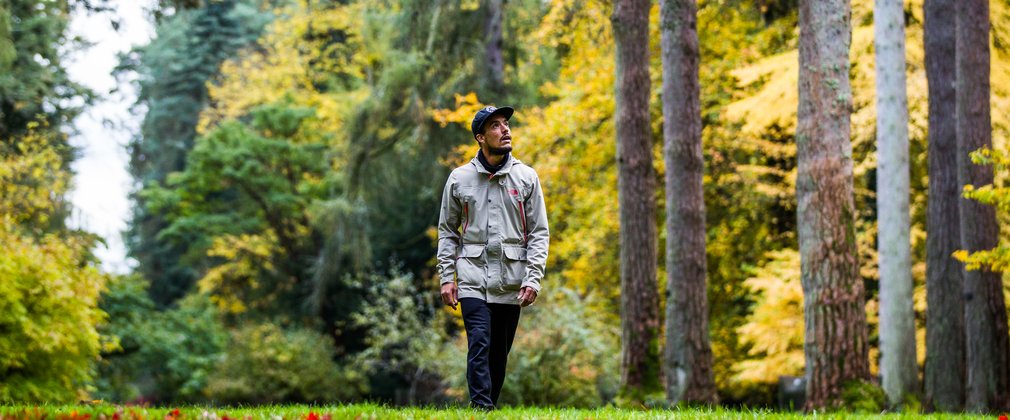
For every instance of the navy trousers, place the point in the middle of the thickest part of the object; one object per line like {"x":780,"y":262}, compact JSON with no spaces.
{"x":490,"y":329}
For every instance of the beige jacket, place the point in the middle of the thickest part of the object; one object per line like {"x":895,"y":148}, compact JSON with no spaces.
{"x":492,"y":231}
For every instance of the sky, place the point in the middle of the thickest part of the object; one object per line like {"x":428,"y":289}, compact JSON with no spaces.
{"x":102,"y":183}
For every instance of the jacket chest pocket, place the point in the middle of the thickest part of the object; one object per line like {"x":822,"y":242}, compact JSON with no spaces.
{"x":466,"y":194}
{"x":468,"y":203}
{"x":513,"y":267}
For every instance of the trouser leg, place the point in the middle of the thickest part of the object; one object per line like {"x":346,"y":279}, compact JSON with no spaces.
{"x":504,"y":320}
{"x":477,"y":321}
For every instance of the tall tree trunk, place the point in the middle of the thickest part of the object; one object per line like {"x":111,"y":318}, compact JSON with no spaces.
{"x":495,"y":60}
{"x":897,"y":317}
{"x":688,"y":358}
{"x":636,"y":198}
{"x":988,"y":347}
{"x":945,"y":360}
{"x":835,"y":319}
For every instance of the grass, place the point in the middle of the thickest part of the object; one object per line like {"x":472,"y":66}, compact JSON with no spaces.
{"x":374,"y":411}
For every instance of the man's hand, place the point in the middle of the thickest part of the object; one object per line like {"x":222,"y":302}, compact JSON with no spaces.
{"x":527,"y":295}
{"x":449,"y":294}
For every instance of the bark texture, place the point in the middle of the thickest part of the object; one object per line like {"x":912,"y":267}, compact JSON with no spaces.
{"x":988,"y":348}
{"x":688,"y":357}
{"x":945,"y":359}
{"x":898,"y":369}
{"x":636,"y":198}
{"x":495,"y":60}
{"x":835,"y":344}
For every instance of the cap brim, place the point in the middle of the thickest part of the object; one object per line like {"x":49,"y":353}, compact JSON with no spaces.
{"x":506,"y":111}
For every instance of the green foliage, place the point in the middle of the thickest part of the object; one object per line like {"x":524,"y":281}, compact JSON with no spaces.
{"x":48,"y":313}
{"x":998,"y":196}
{"x":173,"y":72}
{"x":402,"y":338}
{"x":159,"y":356}
{"x":50,"y":282}
{"x":863,"y":397}
{"x":267,"y":364}
{"x":563,"y":355}
{"x":33,"y":80}
{"x":241,"y":207}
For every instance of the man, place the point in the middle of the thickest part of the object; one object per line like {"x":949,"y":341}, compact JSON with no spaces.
{"x":492,"y":249}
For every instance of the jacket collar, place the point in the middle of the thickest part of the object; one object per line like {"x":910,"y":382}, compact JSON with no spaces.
{"x":504,"y":169}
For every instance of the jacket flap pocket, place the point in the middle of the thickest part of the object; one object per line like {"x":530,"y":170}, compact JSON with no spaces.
{"x":515,"y":253}
{"x":471,"y":251}
{"x":464,"y":193}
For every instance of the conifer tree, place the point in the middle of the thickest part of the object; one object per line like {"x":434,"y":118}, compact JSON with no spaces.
{"x":174,"y":70}
{"x":835,"y":319}
{"x":988,"y":345}
{"x":688,"y":357}
{"x":944,"y":372}
{"x":636,"y":196}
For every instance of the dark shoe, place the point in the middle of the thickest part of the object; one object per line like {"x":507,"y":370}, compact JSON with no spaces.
{"x":482,"y":407}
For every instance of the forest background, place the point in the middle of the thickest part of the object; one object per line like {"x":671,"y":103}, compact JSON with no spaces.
{"x":288,"y":172}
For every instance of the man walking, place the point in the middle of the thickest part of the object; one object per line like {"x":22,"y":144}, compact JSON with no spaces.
{"x":492,"y":249}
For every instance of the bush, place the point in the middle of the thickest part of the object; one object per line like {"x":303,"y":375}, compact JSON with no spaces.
{"x":564,"y":354}
{"x":48,"y":315}
{"x":404,"y":345}
{"x":863,"y":397}
{"x":160,"y":356}
{"x":267,"y":364}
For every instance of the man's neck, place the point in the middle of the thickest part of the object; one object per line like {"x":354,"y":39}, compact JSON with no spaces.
{"x":493,"y":159}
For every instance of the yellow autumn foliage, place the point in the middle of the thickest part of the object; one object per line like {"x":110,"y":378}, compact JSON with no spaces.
{"x":774,"y":329}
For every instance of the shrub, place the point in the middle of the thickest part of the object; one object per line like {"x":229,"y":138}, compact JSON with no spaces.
{"x":49,"y":281}
{"x":160,"y":356}
{"x":267,"y":364}
{"x":48,"y":313}
{"x":564,"y":354}
{"x":863,"y":397}
{"x":404,"y":344}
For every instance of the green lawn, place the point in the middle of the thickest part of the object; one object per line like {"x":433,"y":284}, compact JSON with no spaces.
{"x":373,"y":411}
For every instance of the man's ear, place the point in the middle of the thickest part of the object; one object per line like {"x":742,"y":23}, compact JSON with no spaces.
{"x":480,"y":139}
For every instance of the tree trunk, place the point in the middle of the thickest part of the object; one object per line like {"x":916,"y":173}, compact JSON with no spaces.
{"x":835,"y":319}
{"x":495,"y":60}
{"x":898,"y":367}
{"x":636,"y":198}
{"x":688,"y":358}
{"x":945,"y":362}
{"x":985,"y":322}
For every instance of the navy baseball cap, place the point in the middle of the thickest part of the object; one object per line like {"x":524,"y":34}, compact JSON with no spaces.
{"x":477,"y":126}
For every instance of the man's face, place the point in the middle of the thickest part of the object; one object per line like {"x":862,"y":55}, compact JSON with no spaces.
{"x":497,"y":138}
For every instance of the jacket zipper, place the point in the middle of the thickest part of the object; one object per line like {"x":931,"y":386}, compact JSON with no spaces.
{"x":522,"y":216}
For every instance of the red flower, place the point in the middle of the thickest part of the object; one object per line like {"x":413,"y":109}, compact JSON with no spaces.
{"x":1003,"y":417}
{"x":312,"y":416}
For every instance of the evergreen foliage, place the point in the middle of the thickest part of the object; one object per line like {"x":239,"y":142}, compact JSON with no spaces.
{"x":157,"y":356}
{"x":33,"y":81}
{"x":173,"y":72}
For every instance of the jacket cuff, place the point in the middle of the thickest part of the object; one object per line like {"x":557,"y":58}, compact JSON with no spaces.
{"x":535,"y":285}
{"x":447,"y":278}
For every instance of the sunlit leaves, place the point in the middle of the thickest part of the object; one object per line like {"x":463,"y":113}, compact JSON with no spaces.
{"x":774,"y":329}
{"x":49,"y":282}
{"x":998,"y":258}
